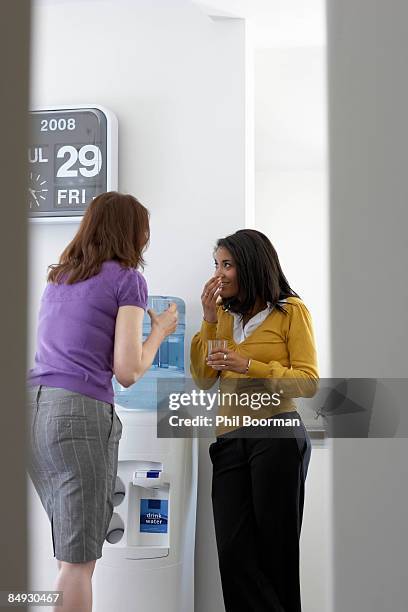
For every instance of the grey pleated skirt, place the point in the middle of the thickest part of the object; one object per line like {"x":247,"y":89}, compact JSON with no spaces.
{"x":73,"y":444}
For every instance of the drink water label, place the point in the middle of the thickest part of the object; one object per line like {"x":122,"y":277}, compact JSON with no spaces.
{"x":154,"y":515}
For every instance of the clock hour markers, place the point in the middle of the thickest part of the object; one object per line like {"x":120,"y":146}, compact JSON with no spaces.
{"x":36,"y":190}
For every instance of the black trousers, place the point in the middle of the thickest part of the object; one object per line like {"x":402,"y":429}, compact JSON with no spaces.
{"x":257,"y":494}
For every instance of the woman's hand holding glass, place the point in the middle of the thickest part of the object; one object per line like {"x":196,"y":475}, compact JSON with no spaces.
{"x":165,"y":322}
{"x":209,"y":297}
{"x":227,"y":360}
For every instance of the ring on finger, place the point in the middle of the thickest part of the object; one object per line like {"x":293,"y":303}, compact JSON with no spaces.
{"x":225,"y":356}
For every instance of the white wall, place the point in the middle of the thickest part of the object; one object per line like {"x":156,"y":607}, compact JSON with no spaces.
{"x":291,"y":173}
{"x":175,"y":80}
{"x":291,"y":207}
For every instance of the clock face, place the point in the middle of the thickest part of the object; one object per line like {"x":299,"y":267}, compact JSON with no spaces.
{"x":67,"y":161}
{"x":37,"y":191}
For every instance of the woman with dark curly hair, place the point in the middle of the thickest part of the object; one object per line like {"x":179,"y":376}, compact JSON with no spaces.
{"x":259,"y":471}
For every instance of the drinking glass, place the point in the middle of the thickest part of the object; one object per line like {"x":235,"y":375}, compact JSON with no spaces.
{"x":159,"y":305}
{"x":218,"y":344}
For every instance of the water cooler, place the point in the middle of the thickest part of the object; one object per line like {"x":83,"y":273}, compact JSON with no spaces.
{"x":148,"y":557}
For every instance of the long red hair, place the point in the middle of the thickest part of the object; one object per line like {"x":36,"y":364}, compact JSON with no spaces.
{"x":115,"y":226}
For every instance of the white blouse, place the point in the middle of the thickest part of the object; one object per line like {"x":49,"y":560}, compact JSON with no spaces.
{"x":240,"y":332}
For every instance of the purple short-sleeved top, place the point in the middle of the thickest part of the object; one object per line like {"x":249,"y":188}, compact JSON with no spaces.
{"x":76,"y":330}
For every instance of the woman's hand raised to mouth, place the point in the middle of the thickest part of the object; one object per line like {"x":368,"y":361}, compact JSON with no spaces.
{"x":209,"y":296}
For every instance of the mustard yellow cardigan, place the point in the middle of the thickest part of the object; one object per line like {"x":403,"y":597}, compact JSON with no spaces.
{"x":282,"y":352}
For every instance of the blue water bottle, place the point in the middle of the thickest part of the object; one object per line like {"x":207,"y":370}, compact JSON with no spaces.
{"x":168,"y":362}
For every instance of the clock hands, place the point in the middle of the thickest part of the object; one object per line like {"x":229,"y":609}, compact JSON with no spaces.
{"x":35,"y":194}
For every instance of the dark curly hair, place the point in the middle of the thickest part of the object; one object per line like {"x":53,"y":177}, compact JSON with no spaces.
{"x":259,"y":273}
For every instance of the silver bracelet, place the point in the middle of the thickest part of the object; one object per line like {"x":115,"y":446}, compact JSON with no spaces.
{"x":247,"y":368}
